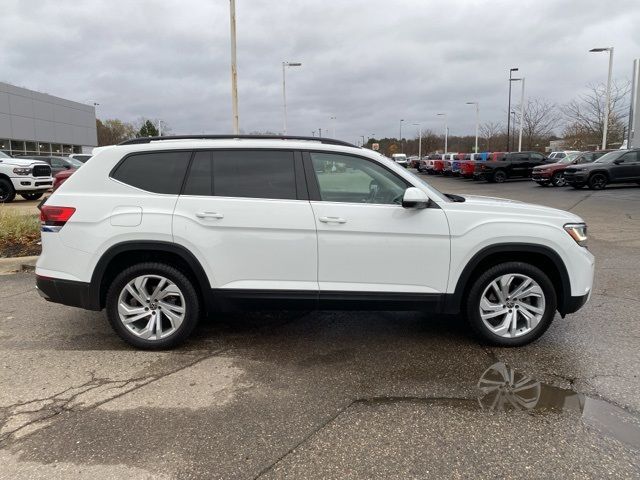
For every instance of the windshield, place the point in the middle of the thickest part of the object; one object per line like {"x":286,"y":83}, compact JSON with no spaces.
{"x":569,"y":158}
{"x":610,"y":157}
{"x":420,"y":180}
{"x":74,"y":163}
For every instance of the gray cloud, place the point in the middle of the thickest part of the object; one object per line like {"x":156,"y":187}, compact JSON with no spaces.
{"x":369,"y":63}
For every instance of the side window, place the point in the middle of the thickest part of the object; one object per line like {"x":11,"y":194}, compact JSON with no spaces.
{"x":630,"y":157}
{"x":158,"y":172}
{"x":254,"y":174}
{"x":200,"y":178}
{"x":343,"y":178}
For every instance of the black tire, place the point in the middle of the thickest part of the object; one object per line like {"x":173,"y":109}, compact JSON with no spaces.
{"x":480,"y":284}
{"x":597,"y":181}
{"x":31,"y":196}
{"x":499,"y":176}
{"x":186,"y":287}
{"x":558,"y":180}
{"x":7,"y":193}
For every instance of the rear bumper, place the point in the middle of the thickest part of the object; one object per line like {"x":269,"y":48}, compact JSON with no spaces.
{"x":66,"y":292}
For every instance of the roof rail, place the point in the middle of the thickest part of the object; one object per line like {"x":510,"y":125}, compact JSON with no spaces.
{"x":328,"y":141}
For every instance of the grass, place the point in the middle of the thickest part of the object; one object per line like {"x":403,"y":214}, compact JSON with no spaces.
{"x":19,"y":233}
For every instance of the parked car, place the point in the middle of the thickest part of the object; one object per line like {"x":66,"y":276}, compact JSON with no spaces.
{"x":81,"y":157}
{"x":400,"y":159}
{"x":511,"y":165}
{"x":456,"y":164}
{"x":438,"y":164}
{"x":618,"y":166}
{"x":447,"y":164}
{"x":553,"y":173}
{"x":560,"y":155}
{"x":61,"y":177}
{"x":468,"y":165}
{"x":413,"y":161}
{"x":157,"y":251}
{"x":57,"y":163}
{"x":23,"y":176}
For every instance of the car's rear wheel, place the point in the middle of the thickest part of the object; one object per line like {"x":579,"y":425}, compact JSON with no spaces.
{"x":31,"y":196}
{"x":7,"y":193}
{"x":511,"y":304}
{"x":152,"y":306}
{"x":558,"y":180}
{"x":499,"y":176}
{"x":597,"y":181}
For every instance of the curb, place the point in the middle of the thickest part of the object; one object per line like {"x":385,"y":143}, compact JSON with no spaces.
{"x":17,"y":264}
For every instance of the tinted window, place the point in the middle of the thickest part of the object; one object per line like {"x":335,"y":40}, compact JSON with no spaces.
{"x":200,"y":178}
{"x":343,"y":178}
{"x":254,"y":174}
{"x":630,"y":157}
{"x":158,"y":172}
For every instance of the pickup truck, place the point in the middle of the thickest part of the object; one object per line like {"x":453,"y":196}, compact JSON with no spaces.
{"x":26,"y":177}
{"x":501,"y":167}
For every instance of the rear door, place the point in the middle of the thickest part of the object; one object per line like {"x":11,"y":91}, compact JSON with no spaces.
{"x":367,"y":242}
{"x":246,"y":215}
{"x":519,"y":164}
{"x":629,"y":167}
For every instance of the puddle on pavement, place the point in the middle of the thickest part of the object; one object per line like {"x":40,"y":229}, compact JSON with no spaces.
{"x":504,"y":389}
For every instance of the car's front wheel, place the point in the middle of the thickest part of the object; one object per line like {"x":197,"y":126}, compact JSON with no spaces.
{"x":558,"y":180}
{"x":511,"y":304}
{"x":7,"y":193}
{"x":152,"y":306}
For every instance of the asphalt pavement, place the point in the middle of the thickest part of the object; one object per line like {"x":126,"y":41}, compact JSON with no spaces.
{"x":335,"y":394}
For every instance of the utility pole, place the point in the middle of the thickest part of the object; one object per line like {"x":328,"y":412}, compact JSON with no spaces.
{"x":515,"y":69}
{"x":234,"y":69}
{"x":521,"y":116}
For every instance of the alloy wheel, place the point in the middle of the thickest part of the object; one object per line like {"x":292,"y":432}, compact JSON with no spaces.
{"x":151,"y":307}
{"x":598,"y":182}
{"x":558,"y":180}
{"x":512,"y":305}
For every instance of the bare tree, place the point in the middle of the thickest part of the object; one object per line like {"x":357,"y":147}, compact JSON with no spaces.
{"x":541,"y":120}
{"x":493,"y":134}
{"x":114,"y":131}
{"x":585,"y":114}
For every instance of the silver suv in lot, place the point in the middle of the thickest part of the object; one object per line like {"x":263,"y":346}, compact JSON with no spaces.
{"x":160,"y":230}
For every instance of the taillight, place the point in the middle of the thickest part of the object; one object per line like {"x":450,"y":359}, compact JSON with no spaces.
{"x":52,"y":219}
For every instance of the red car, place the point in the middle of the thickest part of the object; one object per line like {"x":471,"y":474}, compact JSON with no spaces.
{"x":61,"y":177}
{"x":438,"y":164}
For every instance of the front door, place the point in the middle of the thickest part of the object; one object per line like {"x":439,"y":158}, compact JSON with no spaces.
{"x":628,"y":168}
{"x":244,"y":214}
{"x":367,"y":242}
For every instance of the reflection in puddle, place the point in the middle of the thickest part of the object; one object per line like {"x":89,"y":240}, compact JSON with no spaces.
{"x":504,"y":389}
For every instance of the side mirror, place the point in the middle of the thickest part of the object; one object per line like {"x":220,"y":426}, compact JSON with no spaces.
{"x":415,"y":198}
{"x":618,"y":161}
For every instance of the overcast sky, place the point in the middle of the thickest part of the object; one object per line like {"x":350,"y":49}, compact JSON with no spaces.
{"x":367,"y":62}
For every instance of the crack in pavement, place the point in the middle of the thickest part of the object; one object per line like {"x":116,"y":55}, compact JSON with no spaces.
{"x":59,"y":405}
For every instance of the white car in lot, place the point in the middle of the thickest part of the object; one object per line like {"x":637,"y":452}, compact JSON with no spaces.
{"x":161,"y":230}
{"x":400,"y":159}
{"x":25,"y":177}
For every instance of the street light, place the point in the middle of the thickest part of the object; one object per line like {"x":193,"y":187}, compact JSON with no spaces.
{"x":446,"y":131}
{"x":515,"y":69}
{"x":284,"y":90}
{"x":521,"y":116}
{"x":608,"y":101}
{"x":333,"y":124}
{"x":419,"y":125}
{"x":401,"y":144}
{"x":234,"y":68}
{"x":477,"y":121}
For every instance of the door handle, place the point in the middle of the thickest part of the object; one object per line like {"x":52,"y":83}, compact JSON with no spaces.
{"x":209,"y":215}
{"x":332,"y":220}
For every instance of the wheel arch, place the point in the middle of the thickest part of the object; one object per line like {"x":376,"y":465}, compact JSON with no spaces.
{"x":128,"y":253}
{"x":540,"y":256}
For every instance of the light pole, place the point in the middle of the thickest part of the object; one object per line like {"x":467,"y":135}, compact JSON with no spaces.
{"x":512,"y":141}
{"x":159,"y":128}
{"x":515,"y":69}
{"x":419,"y":125}
{"x":521,"y":115}
{"x":477,"y":121}
{"x":284,"y":90}
{"x":333,"y":125}
{"x":608,"y":100}
{"x":362,"y":140}
{"x":234,"y":68}
{"x":446,"y":131}
{"x":401,"y":144}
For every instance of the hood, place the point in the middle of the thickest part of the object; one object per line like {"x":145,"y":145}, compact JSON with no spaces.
{"x":503,"y":206}
{"x":21,"y":162}
{"x":547,"y":165}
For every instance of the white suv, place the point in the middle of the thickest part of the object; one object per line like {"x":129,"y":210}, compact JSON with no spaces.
{"x":27,"y":177}
{"x":157,"y":231}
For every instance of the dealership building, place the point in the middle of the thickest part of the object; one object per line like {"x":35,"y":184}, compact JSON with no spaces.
{"x":36,"y":123}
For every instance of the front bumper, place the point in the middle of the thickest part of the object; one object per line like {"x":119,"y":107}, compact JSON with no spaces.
{"x":31,"y":184}
{"x":66,"y":292}
{"x":540,"y":176}
{"x":573,"y":304}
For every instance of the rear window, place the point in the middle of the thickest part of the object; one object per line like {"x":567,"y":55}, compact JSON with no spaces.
{"x":157,"y":172}
{"x":243,"y":173}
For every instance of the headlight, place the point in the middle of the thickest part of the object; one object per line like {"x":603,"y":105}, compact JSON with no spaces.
{"x":578,"y":232}
{"x":22,"y":171}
